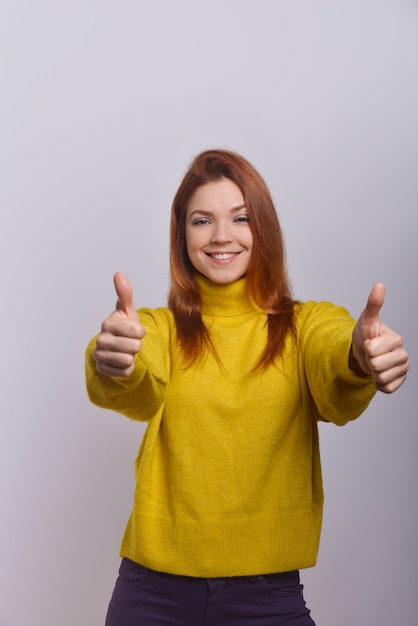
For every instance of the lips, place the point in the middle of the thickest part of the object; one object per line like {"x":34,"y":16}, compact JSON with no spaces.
{"x":222,"y":256}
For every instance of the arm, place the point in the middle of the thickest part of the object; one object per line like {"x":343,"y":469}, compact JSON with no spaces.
{"x":376,"y":349}
{"x":325,"y":336}
{"x":122,"y":374}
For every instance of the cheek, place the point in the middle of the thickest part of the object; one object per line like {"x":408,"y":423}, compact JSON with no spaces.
{"x":194,"y":241}
{"x":192,"y":249}
{"x":250,"y":241}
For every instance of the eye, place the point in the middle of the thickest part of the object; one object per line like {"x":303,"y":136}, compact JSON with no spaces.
{"x":242,"y":219}
{"x":200,"y":221}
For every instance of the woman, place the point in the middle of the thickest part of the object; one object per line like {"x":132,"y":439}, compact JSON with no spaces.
{"x":232,"y":379}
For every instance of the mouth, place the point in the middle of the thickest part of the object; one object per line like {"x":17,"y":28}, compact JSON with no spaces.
{"x":222,"y":256}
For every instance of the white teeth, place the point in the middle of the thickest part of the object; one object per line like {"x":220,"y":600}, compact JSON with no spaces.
{"x":225,"y":255}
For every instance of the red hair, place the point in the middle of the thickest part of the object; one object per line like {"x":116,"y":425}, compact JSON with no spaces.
{"x":267,"y":280}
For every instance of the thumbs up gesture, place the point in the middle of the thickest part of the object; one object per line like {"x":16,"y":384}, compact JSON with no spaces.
{"x":121,"y":334}
{"x":377,"y":350}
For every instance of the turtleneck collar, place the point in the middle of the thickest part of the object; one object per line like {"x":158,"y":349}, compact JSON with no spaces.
{"x":224,"y":300}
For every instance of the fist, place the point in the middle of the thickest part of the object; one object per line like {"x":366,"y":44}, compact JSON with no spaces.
{"x":121,"y":334}
{"x":377,"y":349}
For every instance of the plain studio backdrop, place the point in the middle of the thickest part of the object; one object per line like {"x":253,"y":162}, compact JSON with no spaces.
{"x":103,"y":105}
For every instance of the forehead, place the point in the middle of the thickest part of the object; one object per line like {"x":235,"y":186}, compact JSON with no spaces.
{"x":221,"y":194}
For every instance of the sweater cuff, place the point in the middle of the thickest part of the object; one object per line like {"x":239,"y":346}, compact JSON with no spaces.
{"x":134,"y":379}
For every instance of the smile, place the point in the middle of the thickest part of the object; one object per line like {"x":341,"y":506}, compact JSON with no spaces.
{"x":223,"y":256}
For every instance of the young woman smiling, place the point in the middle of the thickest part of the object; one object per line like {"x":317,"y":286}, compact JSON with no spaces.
{"x":232,"y":378}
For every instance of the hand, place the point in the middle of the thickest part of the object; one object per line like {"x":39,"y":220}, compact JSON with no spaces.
{"x":376,"y":348}
{"x":121,"y":334}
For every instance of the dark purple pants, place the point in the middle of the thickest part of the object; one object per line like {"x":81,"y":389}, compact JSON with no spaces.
{"x":143,"y":597}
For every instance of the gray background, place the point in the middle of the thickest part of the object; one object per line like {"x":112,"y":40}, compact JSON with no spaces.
{"x":103,"y":104}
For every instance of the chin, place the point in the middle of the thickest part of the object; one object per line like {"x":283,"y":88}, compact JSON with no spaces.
{"x":225,"y":280}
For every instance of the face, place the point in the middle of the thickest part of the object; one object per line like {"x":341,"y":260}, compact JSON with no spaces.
{"x":218,"y":235}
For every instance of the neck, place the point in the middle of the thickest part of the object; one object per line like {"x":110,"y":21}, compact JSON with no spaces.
{"x":224,"y":300}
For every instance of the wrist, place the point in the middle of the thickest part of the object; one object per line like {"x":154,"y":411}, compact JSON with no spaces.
{"x":354,"y":365}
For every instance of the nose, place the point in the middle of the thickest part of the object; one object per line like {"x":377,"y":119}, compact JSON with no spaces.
{"x":220,"y":233}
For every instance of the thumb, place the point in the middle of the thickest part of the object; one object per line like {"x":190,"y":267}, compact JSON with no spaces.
{"x":370,"y":318}
{"x":125,"y":303}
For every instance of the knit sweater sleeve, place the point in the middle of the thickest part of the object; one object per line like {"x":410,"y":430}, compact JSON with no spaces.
{"x":325,"y":336}
{"x":141,"y":395}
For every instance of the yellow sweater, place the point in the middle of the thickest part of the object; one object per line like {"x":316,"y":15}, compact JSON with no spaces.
{"x":228,"y":476}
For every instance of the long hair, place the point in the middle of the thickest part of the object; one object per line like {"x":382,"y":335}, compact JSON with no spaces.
{"x":267,"y":280}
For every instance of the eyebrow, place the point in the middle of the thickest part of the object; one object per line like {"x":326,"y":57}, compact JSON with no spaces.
{"x":234,"y":209}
